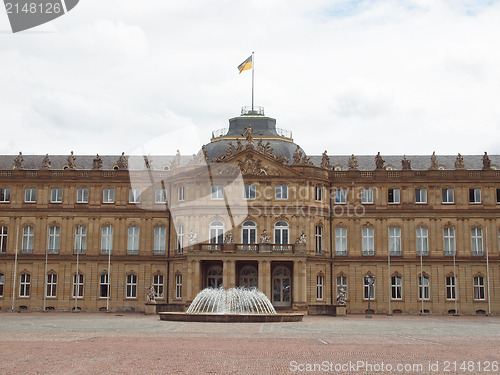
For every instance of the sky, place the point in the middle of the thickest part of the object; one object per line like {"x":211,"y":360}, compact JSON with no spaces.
{"x":350,"y":77}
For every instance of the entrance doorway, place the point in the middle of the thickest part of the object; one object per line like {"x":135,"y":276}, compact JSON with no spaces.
{"x":281,"y":287}
{"x":214,"y":277}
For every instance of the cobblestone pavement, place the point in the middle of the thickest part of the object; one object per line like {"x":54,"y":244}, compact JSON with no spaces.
{"x":101,"y":343}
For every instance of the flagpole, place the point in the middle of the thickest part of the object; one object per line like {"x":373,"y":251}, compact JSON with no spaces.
{"x":488,"y":273}
{"x":253,"y":67}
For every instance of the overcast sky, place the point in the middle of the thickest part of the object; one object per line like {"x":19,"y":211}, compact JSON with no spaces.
{"x":400,"y":77}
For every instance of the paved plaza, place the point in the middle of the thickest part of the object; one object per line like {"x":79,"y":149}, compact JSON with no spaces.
{"x":107,"y":343}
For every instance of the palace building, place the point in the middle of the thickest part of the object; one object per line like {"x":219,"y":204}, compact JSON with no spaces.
{"x":251,"y":209}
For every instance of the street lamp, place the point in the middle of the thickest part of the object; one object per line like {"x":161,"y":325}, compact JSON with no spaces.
{"x":371,"y":281}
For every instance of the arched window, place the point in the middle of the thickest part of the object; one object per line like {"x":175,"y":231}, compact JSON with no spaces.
{"x":281,"y":286}
{"x":248,"y":277}
{"x":249,"y":232}
{"x":281,"y":232}
{"x":216,"y":232}
{"x":214,"y":277}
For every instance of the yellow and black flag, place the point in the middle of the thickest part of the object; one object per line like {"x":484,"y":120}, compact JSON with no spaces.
{"x":245,"y":65}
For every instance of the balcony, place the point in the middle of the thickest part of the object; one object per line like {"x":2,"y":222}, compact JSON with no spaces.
{"x":247,"y":248}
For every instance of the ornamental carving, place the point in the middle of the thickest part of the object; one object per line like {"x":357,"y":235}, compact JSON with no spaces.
{"x":300,"y":159}
{"x":230,"y":151}
{"x":97,"y":162}
{"x":122,"y":162}
{"x":253,"y":166}
{"x":72,"y":161}
{"x":379,"y":162}
{"x":353,"y":163}
{"x":176,"y":163}
{"x":239,"y":145}
{"x":228,"y":238}
{"x":302,"y":238}
{"x":46,"y":163}
{"x":248,"y":134}
{"x":192,"y":238}
{"x":148,"y":162}
{"x":325,"y":161}
{"x":18,"y":162}
{"x":434,"y":162}
{"x":486,"y":162}
{"x":405,"y":163}
{"x":459,"y":162}
{"x":264,"y":238}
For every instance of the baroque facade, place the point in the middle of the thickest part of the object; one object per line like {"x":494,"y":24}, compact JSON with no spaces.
{"x":251,"y":209}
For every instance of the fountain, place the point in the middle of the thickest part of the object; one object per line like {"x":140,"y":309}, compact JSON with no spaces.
{"x":231,"y":305}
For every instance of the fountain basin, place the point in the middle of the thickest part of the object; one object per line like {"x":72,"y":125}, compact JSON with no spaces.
{"x":230,"y":318}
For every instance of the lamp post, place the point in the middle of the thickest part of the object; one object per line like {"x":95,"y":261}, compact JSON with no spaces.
{"x":371,"y":281}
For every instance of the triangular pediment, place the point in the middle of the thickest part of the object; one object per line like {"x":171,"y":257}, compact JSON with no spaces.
{"x":253,"y":163}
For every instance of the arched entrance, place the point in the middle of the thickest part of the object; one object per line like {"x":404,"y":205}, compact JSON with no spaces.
{"x":248,"y":277}
{"x":214,"y":277}
{"x":281,"y":287}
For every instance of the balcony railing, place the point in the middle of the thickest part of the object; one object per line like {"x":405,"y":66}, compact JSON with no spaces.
{"x":248,"y":248}
{"x":223,"y":132}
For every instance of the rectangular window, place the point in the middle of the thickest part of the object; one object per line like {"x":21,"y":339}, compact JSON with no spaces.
{"x":319,"y":239}
{"x":498,"y":196}
{"x":318,"y":193}
{"x":342,"y":283}
{"x":477,"y":241}
{"x":2,"y":281}
{"x":180,"y":239}
{"x":366,"y":196}
{"x":78,"y":286}
{"x":450,"y":288}
{"x":107,"y":239}
{"x":133,"y":240}
{"x":80,"y":239}
{"x":178,"y":286}
{"x":479,"y":288}
{"x":160,"y":196}
{"x":319,"y":287}
{"x":393,"y":196}
{"x":24,"y":285}
{"x":108,"y":196}
{"x":54,"y":240}
{"x":134,"y":196}
{"x":249,"y":192}
{"x":423,"y":288}
{"x":158,"y":285}
{"x":3,"y":239}
{"x":474,"y":196}
{"x":103,"y":285}
{"x":368,"y":290}
{"x":27,"y":242}
{"x":51,"y":287}
{"x":449,"y":241}
{"x":82,"y":195}
{"x":56,"y":195}
{"x":448,"y":196}
{"x":30,"y":195}
{"x":421,"y":196}
{"x":368,"y":241}
{"x":340,"y":241}
{"x":180,"y":194}
{"x":131,"y":286}
{"x":217,"y":192}
{"x":281,"y":192}
{"x":340,"y":196}
{"x":422,"y":241}
{"x":4,"y":195}
{"x":395,"y":241}
{"x":159,"y":240}
{"x":396,"y":287}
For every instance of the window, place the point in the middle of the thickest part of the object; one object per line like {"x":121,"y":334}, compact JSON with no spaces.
{"x":342,"y":283}
{"x":160,"y":196}
{"x":319,"y":239}
{"x":421,"y":196}
{"x":449,"y":241}
{"x":4,"y":194}
{"x":396,"y":287}
{"x":133,"y":240}
{"x":178,"y":286}
{"x":341,"y":241}
{"x":281,"y":232}
{"x":281,"y":192}
{"x":56,"y":195}
{"x":24,"y":285}
{"x":30,"y":195}
{"x":131,"y":286}
{"x":422,"y":241}
{"x":368,"y":241}
{"x":318,"y":193}
{"x":366,"y":196}
{"x":180,"y":239}
{"x":82,"y":196}
{"x":319,"y":287}
{"x":3,"y":239}
{"x":134,"y":196}
{"x":340,"y":196}
{"x":479,"y":288}
{"x":450,"y":287}
{"x":54,"y":239}
{"x":423,"y":287}
{"x":249,"y":192}
{"x":160,"y":234}
{"x":393,"y":196}
{"x":180,"y":194}
{"x":158,"y":285}
{"x":474,"y":196}
{"x":2,"y":281}
{"x":80,"y":239}
{"x":216,"y":232}
{"x":498,"y":196}
{"x":51,"y":286}
{"x":394,"y":241}
{"x":368,"y":291}
{"x":106,"y":239}
{"x":217,"y":192}
{"x":108,"y":196}
{"x":27,"y":243}
{"x":249,"y":232}
{"x":103,"y":285}
{"x":448,"y":196}
{"x":477,"y":241}
{"x":78,"y":286}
